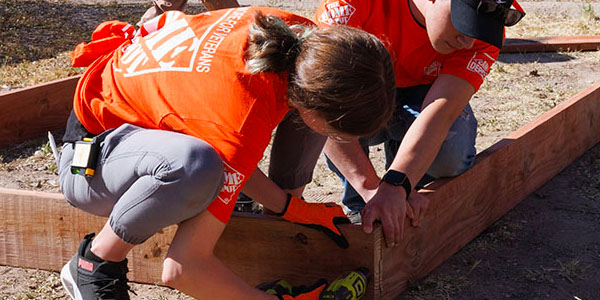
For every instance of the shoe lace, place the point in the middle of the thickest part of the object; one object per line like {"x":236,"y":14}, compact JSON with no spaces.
{"x":112,"y":288}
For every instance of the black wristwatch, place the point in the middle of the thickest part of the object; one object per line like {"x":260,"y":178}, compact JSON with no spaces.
{"x":397,"y":179}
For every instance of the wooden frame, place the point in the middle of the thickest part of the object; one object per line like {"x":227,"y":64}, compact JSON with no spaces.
{"x":551,"y":44}
{"x":28,"y":112}
{"x":39,"y":230}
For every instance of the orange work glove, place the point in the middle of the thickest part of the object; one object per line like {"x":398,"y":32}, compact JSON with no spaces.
{"x":311,"y":293}
{"x":278,"y":288}
{"x":321,"y":216}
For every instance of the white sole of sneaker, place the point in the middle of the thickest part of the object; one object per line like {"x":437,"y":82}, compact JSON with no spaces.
{"x":68,"y":282}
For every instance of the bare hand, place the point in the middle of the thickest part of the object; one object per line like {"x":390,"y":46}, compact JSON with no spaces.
{"x":417,"y":206}
{"x":388,"y":206}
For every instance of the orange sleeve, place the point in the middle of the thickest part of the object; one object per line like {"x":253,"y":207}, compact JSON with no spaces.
{"x":238,"y":164}
{"x":343,"y":12}
{"x":223,"y":205}
{"x":472,"y":65}
{"x":107,"y":37}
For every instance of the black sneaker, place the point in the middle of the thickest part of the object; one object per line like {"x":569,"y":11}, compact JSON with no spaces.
{"x":87,"y":277}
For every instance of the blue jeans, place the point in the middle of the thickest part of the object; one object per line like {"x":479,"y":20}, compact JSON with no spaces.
{"x":456,"y":155}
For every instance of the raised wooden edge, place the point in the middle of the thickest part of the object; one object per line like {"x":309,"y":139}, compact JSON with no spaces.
{"x":551,"y":44}
{"x":28,"y":112}
{"x":40,"y":230}
{"x":503,"y":175}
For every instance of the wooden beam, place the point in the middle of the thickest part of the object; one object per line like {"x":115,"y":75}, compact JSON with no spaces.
{"x":551,"y":44}
{"x":29,"y":112}
{"x":39,"y":230}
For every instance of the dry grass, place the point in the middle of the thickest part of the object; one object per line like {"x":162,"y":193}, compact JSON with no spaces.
{"x":28,"y":73}
{"x":37,"y":36}
{"x":572,"y":18}
{"x":436,"y":287}
{"x":523,"y":86}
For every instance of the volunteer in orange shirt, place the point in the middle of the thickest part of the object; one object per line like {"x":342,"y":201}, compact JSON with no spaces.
{"x":442,"y":51}
{"x":182,"y":111}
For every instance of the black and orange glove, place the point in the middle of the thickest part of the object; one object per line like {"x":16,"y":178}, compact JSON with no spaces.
{"x":285,"y":291}
{"x":277,"y":288}
{"x":321,"y":216}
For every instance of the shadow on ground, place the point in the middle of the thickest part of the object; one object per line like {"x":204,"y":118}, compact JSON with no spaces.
{"x":541,"y":57}
{"x":547,"y":247}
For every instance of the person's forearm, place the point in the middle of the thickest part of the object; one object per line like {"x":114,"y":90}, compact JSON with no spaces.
{"x":420,"y":146}
{"x":353,"y":163}
{"x":443,"y":104}
{"x":260,"y":188}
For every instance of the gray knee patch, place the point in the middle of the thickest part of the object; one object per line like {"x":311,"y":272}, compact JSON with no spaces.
{"x":201,"y":176}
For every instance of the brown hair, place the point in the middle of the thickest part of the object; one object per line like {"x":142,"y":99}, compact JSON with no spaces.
{"x":343,"y":73}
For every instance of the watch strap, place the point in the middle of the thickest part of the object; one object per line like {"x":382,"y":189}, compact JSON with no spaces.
{"x":397,"y":178}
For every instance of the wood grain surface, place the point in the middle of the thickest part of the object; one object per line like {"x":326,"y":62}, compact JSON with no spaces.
{"x":31,"y":112}
{"x":40,"y":230}
{"x":551,"y":44}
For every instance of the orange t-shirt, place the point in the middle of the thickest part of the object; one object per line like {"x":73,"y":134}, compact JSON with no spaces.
{"x":187,"y":74}
{"x":415,"y":60}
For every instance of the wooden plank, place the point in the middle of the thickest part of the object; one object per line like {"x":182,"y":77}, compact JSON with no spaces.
{"x":462,"y":207}
{"x":551,"y":44}
{"x":29,"y":112}
{"x":40,"y":230}
{"x":218,"y":4}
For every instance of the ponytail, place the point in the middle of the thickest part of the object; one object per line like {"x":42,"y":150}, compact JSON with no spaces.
{"x":273,"y":46}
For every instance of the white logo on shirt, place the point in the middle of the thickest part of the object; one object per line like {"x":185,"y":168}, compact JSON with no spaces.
{"x":433,"y":69}
{"x":233,"y":181}
{"x":157,"y":52}
{"x":338,"y":12}
{"x":479,"y":65}
{"x":175,"y":46}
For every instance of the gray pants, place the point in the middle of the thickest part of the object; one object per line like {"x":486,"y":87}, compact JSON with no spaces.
{"x":296,"y":149}
{"x":145,"y":180}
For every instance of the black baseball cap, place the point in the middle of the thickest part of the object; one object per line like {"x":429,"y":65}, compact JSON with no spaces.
{"x":485,"y":19}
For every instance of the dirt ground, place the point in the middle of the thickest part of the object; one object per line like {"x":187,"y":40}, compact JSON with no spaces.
{"x":548,"y":247}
